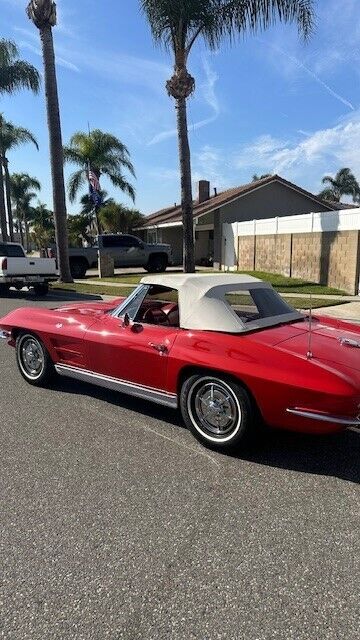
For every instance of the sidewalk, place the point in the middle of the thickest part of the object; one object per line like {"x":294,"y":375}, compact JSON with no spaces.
{"x":349,"y":312}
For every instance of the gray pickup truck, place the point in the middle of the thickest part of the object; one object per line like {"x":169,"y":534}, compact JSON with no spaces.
{"x":126,"y":250}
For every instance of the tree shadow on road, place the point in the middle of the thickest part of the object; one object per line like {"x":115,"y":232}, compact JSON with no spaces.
{"x":336,"y":455}
{"x":54,"y":296}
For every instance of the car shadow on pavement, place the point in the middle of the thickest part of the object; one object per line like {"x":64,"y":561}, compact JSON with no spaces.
{"x":114,"y":398}
{"x":336,"y":455}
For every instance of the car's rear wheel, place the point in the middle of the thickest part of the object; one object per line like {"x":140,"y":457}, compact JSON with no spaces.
{"x":217,"y":411}
{"x":33,"y":360}
{"x":41,"y":289}
{"x":157,"y":264}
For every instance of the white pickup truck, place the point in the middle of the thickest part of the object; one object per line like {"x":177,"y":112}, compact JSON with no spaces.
{"x":17,"y":270}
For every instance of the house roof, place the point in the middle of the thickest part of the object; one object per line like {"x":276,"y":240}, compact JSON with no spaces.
{"x":171,"y":215}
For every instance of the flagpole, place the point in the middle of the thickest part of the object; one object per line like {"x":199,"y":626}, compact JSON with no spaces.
{"x":95,"y":209}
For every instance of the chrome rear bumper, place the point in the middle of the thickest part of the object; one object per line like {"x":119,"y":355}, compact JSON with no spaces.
{"x":323,"y":417}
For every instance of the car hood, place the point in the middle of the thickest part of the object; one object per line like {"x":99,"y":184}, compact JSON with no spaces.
{"x":83,"y":313}
{"x":89,"y":308}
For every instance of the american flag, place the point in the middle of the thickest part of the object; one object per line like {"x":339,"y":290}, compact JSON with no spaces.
{"x":94,"y":180}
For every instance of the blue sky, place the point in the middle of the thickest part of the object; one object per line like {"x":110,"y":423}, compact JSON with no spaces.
{"x":270,"y":103}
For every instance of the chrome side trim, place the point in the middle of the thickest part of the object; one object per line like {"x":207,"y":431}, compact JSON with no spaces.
{"x":5,"y":335}
{"x":321,"y":417}
{"x":122,"y":386}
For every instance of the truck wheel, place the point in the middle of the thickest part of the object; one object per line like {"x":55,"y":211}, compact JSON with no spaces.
{"x":41,"y":289}
{"x":78,"y":268}
{"x":4,"y":289}
{"x":157,"y":264}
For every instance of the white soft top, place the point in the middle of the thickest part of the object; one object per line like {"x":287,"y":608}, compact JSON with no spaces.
{"x":202,"y":302}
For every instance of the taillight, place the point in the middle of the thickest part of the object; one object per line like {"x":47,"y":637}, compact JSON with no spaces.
{"x":4,"y":264}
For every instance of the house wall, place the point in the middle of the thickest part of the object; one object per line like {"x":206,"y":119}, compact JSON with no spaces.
{"x":271,"y":200}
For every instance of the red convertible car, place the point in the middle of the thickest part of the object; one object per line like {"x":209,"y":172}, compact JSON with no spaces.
{"x":226,"y":349}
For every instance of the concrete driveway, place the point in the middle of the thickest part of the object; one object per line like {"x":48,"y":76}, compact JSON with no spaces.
{"x":116,"y":524}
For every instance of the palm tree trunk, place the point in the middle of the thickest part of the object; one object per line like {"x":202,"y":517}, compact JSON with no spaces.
{"x":186,"y":186}
{"x":8,"y":199}
{"x":3,"y":224}
{"x":56,"y":154}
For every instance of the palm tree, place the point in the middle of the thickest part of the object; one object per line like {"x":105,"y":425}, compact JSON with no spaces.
{"x":178,"y":25}
{"x":20,"y":188}
{"x":256,"y":178}
{"x":11,"y":136}
{"x":43,"y":15}
{"x":42,"y":222}
{"x":87,"y":204}
{"x":116,"y":218}
{"x":79,"y":229}
{"x":15,"y":74}
{"x":343,"y":184}
{"x":104,"y":154}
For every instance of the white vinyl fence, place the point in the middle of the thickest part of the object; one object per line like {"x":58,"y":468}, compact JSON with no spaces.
{"x":345,"y":220}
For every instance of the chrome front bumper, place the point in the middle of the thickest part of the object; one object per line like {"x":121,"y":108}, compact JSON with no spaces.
{"x":5,"y":335}
{"x":323,"y":417}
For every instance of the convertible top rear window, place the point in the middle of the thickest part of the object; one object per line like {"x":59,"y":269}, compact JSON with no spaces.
{"x":257,"y":304}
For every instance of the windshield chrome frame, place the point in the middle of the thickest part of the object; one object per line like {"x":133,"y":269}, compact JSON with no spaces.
{"x":121,"y":309}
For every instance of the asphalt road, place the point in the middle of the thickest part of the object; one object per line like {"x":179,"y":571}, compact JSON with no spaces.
{"x":116,"y":524}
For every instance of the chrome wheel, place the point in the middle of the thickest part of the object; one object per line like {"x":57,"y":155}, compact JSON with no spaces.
{"x":214,"y":409}
{"x":31,"y":357}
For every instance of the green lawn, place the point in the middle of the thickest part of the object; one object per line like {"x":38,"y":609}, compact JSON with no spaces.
{"x":94,"y":289}
{"x":301,"y":303}
{"x":284,"y":284}
{"x":279,"y":282}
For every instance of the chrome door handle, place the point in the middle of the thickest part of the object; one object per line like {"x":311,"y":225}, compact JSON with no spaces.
{"x":160,"y":348}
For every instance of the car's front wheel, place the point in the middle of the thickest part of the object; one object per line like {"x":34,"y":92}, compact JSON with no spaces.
{"x":33,"y":360}
{"x":217,"y":410}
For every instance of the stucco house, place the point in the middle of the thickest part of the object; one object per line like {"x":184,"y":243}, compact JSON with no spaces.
{"x":266,"y":198}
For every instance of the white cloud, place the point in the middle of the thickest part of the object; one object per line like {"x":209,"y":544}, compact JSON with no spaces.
{"x":303,"y":161}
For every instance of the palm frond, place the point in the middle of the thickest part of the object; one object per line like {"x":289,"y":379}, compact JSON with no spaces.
{"x":76,"y":181}
{"x":19,"y":75}
{"x":119,"y":181}
{"x":178,"y":23}
{"x":74,"y":156}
